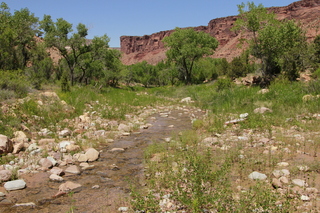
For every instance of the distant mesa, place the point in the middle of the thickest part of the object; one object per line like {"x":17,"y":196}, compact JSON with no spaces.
{"x":150,"y":48}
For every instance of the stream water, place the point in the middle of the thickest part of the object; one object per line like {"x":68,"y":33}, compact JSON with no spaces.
{"x":105,"y":187}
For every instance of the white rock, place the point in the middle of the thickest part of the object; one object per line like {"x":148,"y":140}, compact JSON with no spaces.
{"x":299,"y":182}
{"x":55,"y":177}
{"x":116,"y":150}
{"x":73,"y":170}
{"x":92,"y":154}
{"x":56,"y":170}
{"x":305,"y":198}
{"x":283,"y":164}
{"x":123,"y":209}
{"x":15,"y":185}
{"x":186,"y":100}
{"x":257,"y":176}
{"x":53,"y":161}
{"x":65,"y":133}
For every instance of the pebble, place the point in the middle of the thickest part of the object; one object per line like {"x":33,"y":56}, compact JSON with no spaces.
{"x":55,"y":177}
{"x":299,"y":182}
{"x":73,"y":170}
{"x":117,"y":150}
{"x":123,"y":209}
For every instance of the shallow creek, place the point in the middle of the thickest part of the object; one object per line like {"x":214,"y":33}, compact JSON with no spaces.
{"x":105,"y":187}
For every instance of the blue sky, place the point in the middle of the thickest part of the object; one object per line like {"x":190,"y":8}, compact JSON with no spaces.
{"x":134,"y":17}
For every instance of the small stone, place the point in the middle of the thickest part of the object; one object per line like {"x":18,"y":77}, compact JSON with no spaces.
{"x":15,"y":185}
{"x":2,"y":194}
{"x":92,"y":154}
{"x":283,"y":164}
{"x":45,"y":163}
{"x":73,"y":170}
{"x":262,"y":110}
{"x":276,"y":183}
{"x":72,"y":148}
{"x":299,"y":182}
{"x":257,"y":176}
{"x":56,"y":170}
{"x":171,"y":126}
{"x":305,"y":198}
{"x":24,"y":204}
{"x":55,"y":177}
{"x":5,"y":175}
{"x":123,"y":209}
{"x":115,"y":150}
{"x":68,"y":186}
{"x":125,"y":133}
{"x":123,"y":127}
{"x":65,"y":133}
{"x":96,"y":187}
{"x":284,"y":180}
{"x":80,"y":157}
{"x":53,"y":161}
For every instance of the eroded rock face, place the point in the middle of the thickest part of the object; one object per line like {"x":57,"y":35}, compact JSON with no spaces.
{"x":150,"y":48}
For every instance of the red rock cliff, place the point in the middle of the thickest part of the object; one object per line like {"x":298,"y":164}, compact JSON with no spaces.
{"x":150,"y":48}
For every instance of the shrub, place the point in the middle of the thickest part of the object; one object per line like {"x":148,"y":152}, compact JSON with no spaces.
{"x":14,"y":81}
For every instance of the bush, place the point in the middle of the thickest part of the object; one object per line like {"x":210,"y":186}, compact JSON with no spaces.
{"x":14,"y":81}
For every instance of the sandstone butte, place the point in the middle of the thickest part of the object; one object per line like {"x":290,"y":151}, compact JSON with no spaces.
{"x":150,"y":48}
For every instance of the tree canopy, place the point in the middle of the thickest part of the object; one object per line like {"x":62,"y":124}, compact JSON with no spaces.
{"x":185,"y":46}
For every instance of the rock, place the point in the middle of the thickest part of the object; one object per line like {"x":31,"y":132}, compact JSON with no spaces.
{"x":244,"y":115}
{"x":92,"y":154}
{"x":65,"y":133}
{"x":80,"y":157}
{"x":95,"y":187}
{"x":55,"y":177}
{"x":56,"y":170}
{"x":19,"y":137}
{"x":123,"y":209}
{"x":53,"y":161}
{"x":284,"y":180}
{"x":125,"y":133}
{"x":210,"y":140}
{"x":63,"y":144}
{"x":280,"y":173}
{"x":257,"y":176}
{"x":6,"y":145}
{"x":73,"y":170}
{"x":304,"y":198}
{"x":15,"y":185}
{"x":32,"y":147}
{"x":123,"y":128}
{"x":72,"y":148}
{"x":262,"y":110}
{"x":68,"y":186}
{"x":263,"y":91}
{"x":45,"y":141}
{"x":115,"y":150}
{"x":5,"y":175}
{"x":45,"y":163}
{"x":186,"y":100}
{"x":283,"y":164}
{"x":303,"y":168}
{"x":24,"y":204}
{"x":18,"y":147}
{"x":299,"y":182}
{"x":2,"y":194}
{"x":276,"y":183}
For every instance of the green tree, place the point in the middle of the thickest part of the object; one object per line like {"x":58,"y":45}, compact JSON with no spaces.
{"x":276,"y":43}
{"x":185,"y":46}
{"x":17,"y":37}
{"x":71,"y":47}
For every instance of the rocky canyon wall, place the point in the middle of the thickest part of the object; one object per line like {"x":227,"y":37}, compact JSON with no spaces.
{"x":150,"y":48}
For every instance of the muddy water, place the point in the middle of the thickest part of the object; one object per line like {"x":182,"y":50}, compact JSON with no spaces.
{"x":112,"y":175}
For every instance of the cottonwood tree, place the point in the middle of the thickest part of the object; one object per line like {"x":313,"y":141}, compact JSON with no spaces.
{"x":17,"y":37}
{"x":185,"y":46}
{"x":70,"y":46}
{"x":276,"y":43}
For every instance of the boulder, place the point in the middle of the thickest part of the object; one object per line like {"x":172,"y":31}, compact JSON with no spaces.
{"x":6,"y":145}
{"x":15,"y":185}
{"x":92,"y":154}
